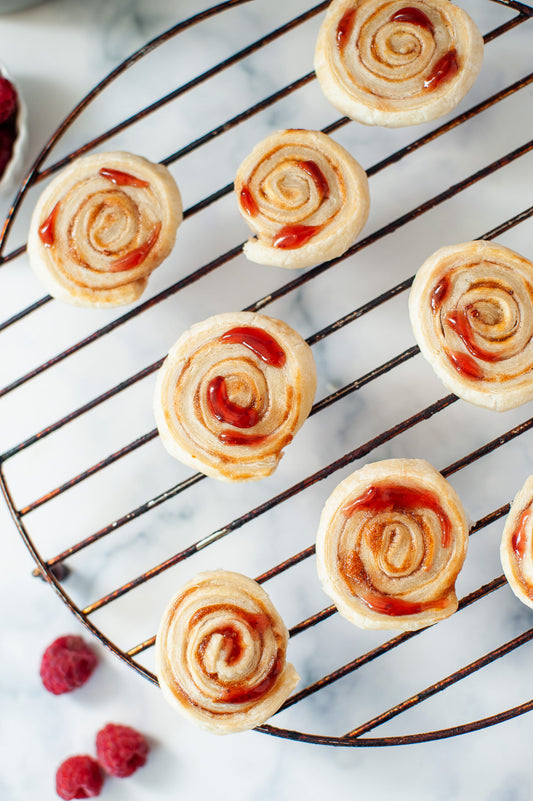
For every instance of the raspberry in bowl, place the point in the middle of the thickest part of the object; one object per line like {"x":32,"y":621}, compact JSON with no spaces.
{"x":13,"y":132}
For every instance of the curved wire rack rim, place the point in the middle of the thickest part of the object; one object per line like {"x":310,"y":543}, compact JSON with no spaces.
{"x":405,"y":739}
{"x":48,"y":574}
{"x":346,"y":740}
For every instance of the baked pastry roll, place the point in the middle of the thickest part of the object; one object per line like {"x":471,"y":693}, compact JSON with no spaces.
{"x":471,"y":308}
{"x":220,"y":653}
{"x":102,"y":226}
{"x":396,"y":62}
{"x":232,"y":393}
{"x":516,"y":549}
{"x":391,"y":541}
{"x":305,"y":197}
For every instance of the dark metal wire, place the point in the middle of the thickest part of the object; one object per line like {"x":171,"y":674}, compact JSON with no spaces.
{"x":48,"y":568}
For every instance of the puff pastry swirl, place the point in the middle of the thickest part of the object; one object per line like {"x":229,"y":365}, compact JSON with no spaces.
{"x":392,"y":538}
{"x":471,"y":308}
{"x":397,"y":62}
{"x":221,"y":653}
{"x":516,"y":549}
{"x":102,"y":226}
{"x":305,"y":197}
{"x":233,"y":391}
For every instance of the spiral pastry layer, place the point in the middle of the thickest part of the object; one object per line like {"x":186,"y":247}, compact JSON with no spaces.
{"x":391,"y":541}
{"x":232,"y":393}
{"x":102,"y":226}
{"x":304,"y":196}
{"x":471,"y":308}
{"x":516,"y":549}
{"x":220,"y":653}
{"x":397,"y":62}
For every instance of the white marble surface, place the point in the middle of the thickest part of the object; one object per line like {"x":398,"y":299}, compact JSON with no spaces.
{"x":57,"y":51}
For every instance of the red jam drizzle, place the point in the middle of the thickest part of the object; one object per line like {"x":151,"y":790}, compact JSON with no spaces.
{"x":445,"y":68}
{"x":312,"y":169}
{"x":458,"y":321}
{"x":136,"y":256}
{"x":269,"y":351}
{"x":519,"y":541}
{"x":439,"y":293}
{"x":413,"y":15}
{"x":225,"y":410}
{"x":259,"y":624}
{"x":465,"y":364}
{"x":232,"y":438}
{"x":258,"y":341}
{"x":344,"y":28}
{"x":232,"y":644}
{"x":248,"y":203}
{"x":122,"y":178}
{"x":294,"y":236}
{"x":381,"y":498}
{"x":396,"y":607}
{"x":236,"y":695}
{"x":47,"y":229}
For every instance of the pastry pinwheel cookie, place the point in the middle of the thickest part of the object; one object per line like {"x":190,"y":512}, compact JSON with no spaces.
{"x":516,"y":549}
{"x":102,"y":226}
{"x":304,"y":196}
{"x":232,"y":393}
{"x":221,"y":653}
{"x":471,"y":308}
{"x":394,"y":63}
{"x":392,"y":539}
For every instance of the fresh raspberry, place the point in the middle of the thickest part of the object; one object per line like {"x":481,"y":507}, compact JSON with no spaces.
{"x":7,"y":139}
{"x":66,"y":664}
{"x":79,"y":777}
{"x":120,"y":749}
{"x":8,"y":99}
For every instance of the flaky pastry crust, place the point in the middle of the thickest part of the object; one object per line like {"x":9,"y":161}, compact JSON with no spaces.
{"x":392,"y":538}
{"x":102,"y":226}
{"x":221,"y":653}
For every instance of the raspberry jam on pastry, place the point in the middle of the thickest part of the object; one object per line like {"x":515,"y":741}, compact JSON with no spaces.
{"x":232,"y":393}
{"x":304,"y":196}
{"x":123,"y":178}
{"x":137,"y":256}
{"x":294,"y":236}
{"x":46,"y":230}
{"x":247,"y":202}
{"x":102,"y":226}
{"x":443,"y":70}
{"x":259,"y":341}
{"x":381,"y":63}
{"x":221,"y":653}
{"x":391,"y":541}
{"x":471,"y":308}
{"x":226,"y":411}
{"x":415,"y":16}
{"x":384,"y":497}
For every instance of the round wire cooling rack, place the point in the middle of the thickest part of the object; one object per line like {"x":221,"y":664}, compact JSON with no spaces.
{"x":416,"y":422}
